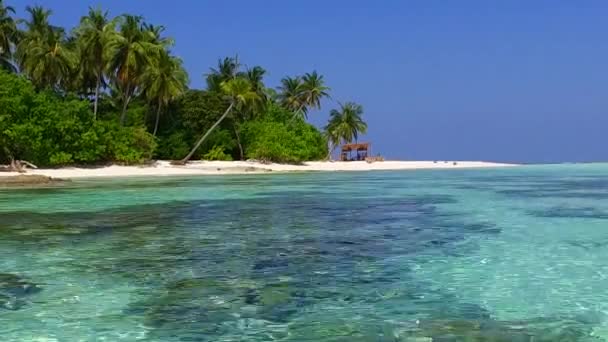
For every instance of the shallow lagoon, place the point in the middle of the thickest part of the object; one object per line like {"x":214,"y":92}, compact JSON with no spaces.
{"x":478,"y":255}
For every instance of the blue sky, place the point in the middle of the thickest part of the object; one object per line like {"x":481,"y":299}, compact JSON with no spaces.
{"x":514,"y":80}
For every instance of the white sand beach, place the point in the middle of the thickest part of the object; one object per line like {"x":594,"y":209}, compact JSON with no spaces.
{"x":164,"y":168}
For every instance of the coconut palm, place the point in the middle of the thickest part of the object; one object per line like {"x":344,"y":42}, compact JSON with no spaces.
{"x":154,"y":35}
{"x":290,"y":94}
{"x":345,"y":125}
{"x":130,"y":52}
{"x":313,"y":90}
{"x":37,"y":27}
{"x":42,"y":53}
{"x":255,"y":76}
{"x":239,"y":94}
{"x":164,"y":80}
{"x":227,"y":69}
{"x":8,"y":36}
{"x":93,"y":35}
{"x":300,"y":94}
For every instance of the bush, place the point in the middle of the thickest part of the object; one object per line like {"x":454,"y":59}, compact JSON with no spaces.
{"x":49,"y":130}
{"x":187,"y":119}
{"x":127,"y":145}
{"x":173,"y":147}
{"x":217,"y":153}
{"x":283,"y":143}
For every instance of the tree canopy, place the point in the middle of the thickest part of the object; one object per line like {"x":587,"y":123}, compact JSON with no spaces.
{"x":112,"y":90}
{"x":345,"y":124}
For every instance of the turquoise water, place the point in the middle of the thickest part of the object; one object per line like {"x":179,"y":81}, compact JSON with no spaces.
{"x":480,"y":255}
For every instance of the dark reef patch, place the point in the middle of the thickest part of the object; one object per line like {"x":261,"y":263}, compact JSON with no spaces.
{"x":570,"y":212}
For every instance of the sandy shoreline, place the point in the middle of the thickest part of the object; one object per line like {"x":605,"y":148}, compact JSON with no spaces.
{"x":164,"y":168}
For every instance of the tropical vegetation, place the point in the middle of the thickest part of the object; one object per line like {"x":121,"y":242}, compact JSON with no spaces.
{"x":345,"y":125}
{"x":113,"y":90}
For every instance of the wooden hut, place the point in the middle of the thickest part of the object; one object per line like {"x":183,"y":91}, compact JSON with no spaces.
{"x":358,"y":151}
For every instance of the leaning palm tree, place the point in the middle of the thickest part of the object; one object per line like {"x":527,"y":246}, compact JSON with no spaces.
{"x":8,"y":36}
{"x":43,"y":54}
{"x":130,"y":52}
{"x":93,"y":35}
{"x":345,"y":125}
{"x":239,"y":94}
{"x":164,"y":80}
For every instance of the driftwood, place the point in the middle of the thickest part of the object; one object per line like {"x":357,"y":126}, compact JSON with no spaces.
{"x":17,"y":166}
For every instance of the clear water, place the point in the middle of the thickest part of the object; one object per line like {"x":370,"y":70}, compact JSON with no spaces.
{"x":479,"y":255}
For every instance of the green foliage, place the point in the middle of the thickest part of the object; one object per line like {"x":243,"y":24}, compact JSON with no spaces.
{"x":283,"y":143}
{"x":165,"y":80}
{"x":198,"y":110}
{"x":301,"y":93}
{"x":126,"y":145}
{"x":50,"y":130}
{"x":216,"y":153}
{"x":8,"y":36}
{"x":91,"y":95}
{"x":277,"y":113}
{"x":187,"y":119}
{"x":345,"y":124}
{"x":172,"y":146}
{"x":241,"y":99}
{"x":43,"y":53}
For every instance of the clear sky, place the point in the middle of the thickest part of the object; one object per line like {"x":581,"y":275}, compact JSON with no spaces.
{"x":515,"y":80}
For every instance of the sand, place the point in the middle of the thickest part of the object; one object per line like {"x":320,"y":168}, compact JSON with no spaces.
{"x":164,"y":168}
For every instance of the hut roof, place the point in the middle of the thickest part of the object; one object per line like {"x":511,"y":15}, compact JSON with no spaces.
{"x":355,"y":147}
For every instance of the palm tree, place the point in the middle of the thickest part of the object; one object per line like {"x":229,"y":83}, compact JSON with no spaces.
{"x":130,"y":52}
{"x":299,"y":94}
{"x":290,"y":94}
{"x":164,"y":80}
{"x":313,"y":90}
{"x":227,"y":69}
{"x":345,"y":125}
{"x":36,"y":27}
{"x":93,"y":36}
{"x":255,"y":76}
{"x":43,"y":54}
{"x":8,"y":36}
{"x":239,"y":94}
{"x":154,"y":35}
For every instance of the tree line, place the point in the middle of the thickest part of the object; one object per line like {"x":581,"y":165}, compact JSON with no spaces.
{"x":112,"y":90}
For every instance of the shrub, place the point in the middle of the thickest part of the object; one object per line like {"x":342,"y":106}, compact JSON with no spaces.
{"x":128,"y":145}
{"x":283,"y":143}
{"x":50,"y":130}
{"x":174,"y":146}
{"x":217,"y":153}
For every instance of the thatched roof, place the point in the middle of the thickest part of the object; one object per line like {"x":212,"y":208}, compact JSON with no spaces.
{"x":356,"y":147}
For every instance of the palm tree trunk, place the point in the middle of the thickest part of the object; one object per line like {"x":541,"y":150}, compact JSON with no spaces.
{"x":157,"y":119}
{"x":96,"y":103}
{"x":330,"y":150}
{"x":295,"y":114}
{"x":200,"y":141}
{"x":123,"y":116}
{"x":238,"y":140}
{"x":125,"y":104}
